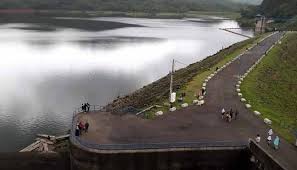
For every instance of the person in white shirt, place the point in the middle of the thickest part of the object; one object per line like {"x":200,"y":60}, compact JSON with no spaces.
{"x":223,"y":113}
{"x":269,"y":139}
{"x":270,"y":132}
{"x":258,"y":138}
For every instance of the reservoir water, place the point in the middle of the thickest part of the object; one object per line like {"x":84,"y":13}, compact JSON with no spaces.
{"x":47,"y":73}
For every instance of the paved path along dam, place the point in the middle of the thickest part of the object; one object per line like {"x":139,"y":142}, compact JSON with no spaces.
{"x":192,"y":126}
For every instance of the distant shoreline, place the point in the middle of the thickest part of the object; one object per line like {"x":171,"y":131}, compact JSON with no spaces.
{"x":51,"y":23}
{"x":132,"y":14}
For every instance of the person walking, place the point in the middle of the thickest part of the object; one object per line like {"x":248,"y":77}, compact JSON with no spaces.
{"x":270,"y":132}
{"x":236,"y":114}
{"x":87,"y":126}
{"x":276,"y":142}
{"x":269,"y":139}
{"x":258,"y":138}
{"x":223,"y":113}
{"x":83,"y":107}
{"x":88,"y":107}
{"x":81,"y":127}
{"x":77,"y":130}
{"x":231,"y":111}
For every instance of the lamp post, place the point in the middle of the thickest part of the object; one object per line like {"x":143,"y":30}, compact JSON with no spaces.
{"x":171,"y":81}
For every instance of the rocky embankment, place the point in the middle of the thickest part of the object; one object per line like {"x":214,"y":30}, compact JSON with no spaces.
{"x":158,"y":90}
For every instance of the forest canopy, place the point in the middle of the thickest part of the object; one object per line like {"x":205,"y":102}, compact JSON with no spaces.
{"x":129,"y":5}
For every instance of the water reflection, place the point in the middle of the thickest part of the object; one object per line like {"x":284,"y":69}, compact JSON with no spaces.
{"x":46,"y":74}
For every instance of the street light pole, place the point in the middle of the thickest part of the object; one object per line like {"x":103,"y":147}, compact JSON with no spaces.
{"x":171,"y":80}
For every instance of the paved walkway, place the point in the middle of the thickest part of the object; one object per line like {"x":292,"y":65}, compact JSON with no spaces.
{"x":196,"y":124}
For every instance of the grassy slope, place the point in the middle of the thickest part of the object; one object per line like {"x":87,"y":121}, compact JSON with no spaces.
{"x":195,"y":84}
{"x":272,"y":87}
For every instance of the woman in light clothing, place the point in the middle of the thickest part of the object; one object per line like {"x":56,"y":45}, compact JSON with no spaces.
{"x":258,"y":138}
{"x":276,"y":142}
{"x":269,"y":140}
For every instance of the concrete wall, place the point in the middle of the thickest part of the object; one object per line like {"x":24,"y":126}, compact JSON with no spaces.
{"x":213,"y":159}
{"x":263,"y":159}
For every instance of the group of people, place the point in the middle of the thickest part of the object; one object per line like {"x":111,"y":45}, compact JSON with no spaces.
{"x":85,"y":107}
{"x":276,"y":140}
{"x":80,"y":127}
{"x":229,"y":115}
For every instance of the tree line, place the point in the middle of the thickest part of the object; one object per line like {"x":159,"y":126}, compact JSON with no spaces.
{"x":125,"y":5}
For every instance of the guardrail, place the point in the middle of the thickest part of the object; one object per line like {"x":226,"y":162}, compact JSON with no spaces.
{"x":92,"y":109}
{"x":147,"y":146}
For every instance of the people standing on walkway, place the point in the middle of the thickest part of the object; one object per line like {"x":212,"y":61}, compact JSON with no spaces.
{"x":223,"y":113}
{"x":236,"y":114}
{"x":87,"y":107}
{"x":77,"y":130}
{"x":270,"y":132}
{"x":229,"y":117}
{"x":81,"y":127}
{"x":276,"y":142}
{"x":258,"y":138}
{"x":83,"y":107}
{"x":269,"y":139}
{"x":87,"y":126}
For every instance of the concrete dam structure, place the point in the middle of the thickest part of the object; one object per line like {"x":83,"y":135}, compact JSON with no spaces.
{"x":202,"y":156}
{"x":190,"y":138}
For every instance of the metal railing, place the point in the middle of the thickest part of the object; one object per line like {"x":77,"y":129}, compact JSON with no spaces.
{"x":160,"y":145}
{"x":142,"y":146}
{"x":92,"y":108}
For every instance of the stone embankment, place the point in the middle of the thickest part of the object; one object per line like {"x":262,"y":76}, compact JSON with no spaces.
{"x":158,"y":90}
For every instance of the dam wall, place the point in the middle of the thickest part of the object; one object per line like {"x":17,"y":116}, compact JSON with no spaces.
{"x":204,"y":158}
{"x":264,"y":160}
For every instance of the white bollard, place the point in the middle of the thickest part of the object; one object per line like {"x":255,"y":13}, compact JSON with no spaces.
{"x":184,"y":105}
{"x":195,"y":101}
{"x":243,"y":99}
{"x":159,"y":113}
{"x":267,"y":121}
{"x":248,"y":106}
{"x":257,"y":113}
{"x":172,"y":109}
{"x":238,"y":90}
{"x":201,"y":102}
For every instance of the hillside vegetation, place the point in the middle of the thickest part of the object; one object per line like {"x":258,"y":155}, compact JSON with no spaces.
{"x":277,"y":8}
{"x":187,"y":80}
{"x":272,"y":87}
{"x":284,"y":14}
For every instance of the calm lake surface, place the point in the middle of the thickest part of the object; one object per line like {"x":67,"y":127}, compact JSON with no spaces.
{"x":45,"y":74}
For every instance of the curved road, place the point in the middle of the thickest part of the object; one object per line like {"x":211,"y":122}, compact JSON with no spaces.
{"x":196,"y":124}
